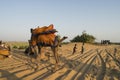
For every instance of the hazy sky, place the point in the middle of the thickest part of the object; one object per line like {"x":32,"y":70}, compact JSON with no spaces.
{"x":100,"y":18}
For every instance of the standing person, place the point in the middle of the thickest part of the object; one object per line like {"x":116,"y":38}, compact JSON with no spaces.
{"x":82,"y":49}
{"x":74,"y":48}
{"x":115,"y":51}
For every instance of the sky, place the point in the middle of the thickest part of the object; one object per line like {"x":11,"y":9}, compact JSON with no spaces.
{"x":100,"y":18}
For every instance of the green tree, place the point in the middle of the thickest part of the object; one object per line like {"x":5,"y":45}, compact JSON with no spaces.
{"x":85,"y":38}
{"x":76,"y":39}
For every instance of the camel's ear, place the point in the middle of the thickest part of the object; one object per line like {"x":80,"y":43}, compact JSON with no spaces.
{"x":31,"y":30}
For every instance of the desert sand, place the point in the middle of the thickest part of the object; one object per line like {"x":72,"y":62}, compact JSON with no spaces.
{"x":98,"y":62}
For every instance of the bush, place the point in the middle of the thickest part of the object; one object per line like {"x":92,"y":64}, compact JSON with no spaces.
{"x":22,"y":47}
{"x":15,"y":47}
{"x":86,"y":38}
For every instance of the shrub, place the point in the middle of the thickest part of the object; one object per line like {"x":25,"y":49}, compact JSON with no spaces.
{"x":15,"y":47}
{"x":86,"y":38}
{"x":22,"y":47}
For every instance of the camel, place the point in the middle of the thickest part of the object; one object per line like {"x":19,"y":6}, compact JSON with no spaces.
{"x":45,"y":37}
{"x":4,"y":50}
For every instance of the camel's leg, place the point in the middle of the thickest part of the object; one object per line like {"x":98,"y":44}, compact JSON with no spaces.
{"x":41,"y":54}
{"x":54,"y":49}
{"x":33,"y":60}
{"x":35,"y":50}
{"x":56,"y":52}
